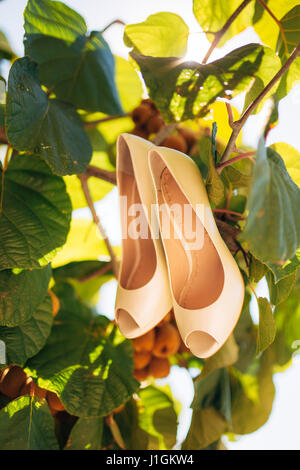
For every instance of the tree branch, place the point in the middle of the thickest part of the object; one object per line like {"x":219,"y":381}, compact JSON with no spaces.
{"x":237,"y":125}
{"x":241,"y":156}
{"x":88,"y":124}
{"x":111,"y":24}
{"x":84,"y":183}
{"x":97,"y":273}
{"x":227,"y":211}
{"x":220,"y":34}
{"x":163,"y":133}
{"x":109,"y":176}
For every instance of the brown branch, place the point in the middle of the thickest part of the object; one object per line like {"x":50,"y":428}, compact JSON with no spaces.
{"x":227,"y":211}
{"x":84,"y":184}
{"x":163,"y":133}
{"x":230,"y":113}
{"x":97,"y":273}
{"x":113,"y":23}
{"x":241,"y":156}
{"x":238,"y":125}
{"x":106,"y":175}
{"x":3,"y":138}
{"x":220,"y":34}
{"x":88,"y":124}
{"x":277,"y":21}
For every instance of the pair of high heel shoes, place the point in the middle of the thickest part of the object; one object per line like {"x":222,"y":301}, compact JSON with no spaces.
{"x":172,"y":253}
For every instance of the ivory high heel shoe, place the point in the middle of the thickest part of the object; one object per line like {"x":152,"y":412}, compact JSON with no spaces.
{"x":206,"y":284}
{"x":143,"y":294}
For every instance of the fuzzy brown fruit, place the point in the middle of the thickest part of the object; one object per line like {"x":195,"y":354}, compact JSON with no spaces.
{"x":54,"y":402}
{"x":167,"y":341}
{"x":141,"y":359}
{"x":166,"y":319}
{"x":154,"y":124}
{"x":55,"y":303}
{"x":140,"y":132}
{"x":176,"y":142}
{"x":141,"y":374}
{"x":12,"y":381}
{"x":141,"y":114}
{"x":144,"y":342}
{"x":188,"y":135}
{"x":159,"y":367}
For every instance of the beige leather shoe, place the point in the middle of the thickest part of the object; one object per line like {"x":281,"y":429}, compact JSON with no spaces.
{"x":143,"y":294}
{"x":206,"y":283}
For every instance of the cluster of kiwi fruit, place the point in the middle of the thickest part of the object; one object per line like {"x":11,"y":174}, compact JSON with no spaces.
{"x":14,"y":382}
{"x":147,"y":121}
{"x":152,"y":351}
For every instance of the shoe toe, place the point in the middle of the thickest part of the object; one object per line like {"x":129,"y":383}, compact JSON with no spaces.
{"x":202,"y":344}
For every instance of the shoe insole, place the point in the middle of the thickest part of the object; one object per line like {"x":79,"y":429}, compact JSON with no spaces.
{"x":139,"y":257}
{"x":196,"y":270}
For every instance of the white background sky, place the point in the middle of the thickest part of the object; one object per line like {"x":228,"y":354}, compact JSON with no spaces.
{"x":282,"y":429}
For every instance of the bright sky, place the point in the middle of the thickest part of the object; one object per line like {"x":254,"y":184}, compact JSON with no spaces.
{"x":282,"y":429}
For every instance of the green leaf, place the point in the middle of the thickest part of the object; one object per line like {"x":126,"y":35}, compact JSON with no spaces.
{"x":129,"y":84}
{"x":270,"y":65}
{"x":86,"y":434}
{"x":245,"y":334}
{"x":27,"y":339}
{"x":163,"y":34}
{"x":158,"y":417}
{"x":206,"y":390}
{"x":207,"y":426}
{"x":290,"y":25}
{"x":35,"y":216}
{"x":266,"y":27}
{"x":26,"y":424}
{"x":91,"y":372}
{"x":266,"y":327}
{"x":21,"y":294}
{"x":291,"y":158}
{"x":252,"y":396}
{"x":6,"y":51}
{"x":44,"y":126}
{"x":281,"y":290}
{"x":128,"y":422}
{"x":272,"y":228}
{"x":226,"y":356}
{"x":212,"y":15}
{"x":184,"y":90}
{"x":282,"y":271}
{"x":257,"y":269}
{"x":79,"y":69}
{"x":54,"y":19}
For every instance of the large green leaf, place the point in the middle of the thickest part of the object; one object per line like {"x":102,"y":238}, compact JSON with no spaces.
{"x":252,"y":396}
{"x":290,"y":25}
{"x":280,"y":272}
{"x":79,"y":69}
{"x":158,"y":417}
{"x":91,"y":372}
{"x":265,"y":26}
{"x":128,"y":83}
{"x":134,"y":436}
{"x":212,"y":15}
{"x":54,"y":19}
{"x":207,"y":426}
{"x":184,"y":90}
{"x":26,"y":424}
{"x":21,"y":294}
{"x":86,"y":434}
{"x":266,"y":327}
{"x":280,"y":291}
{"x":226,"y":356}
{"x":35,"y":216}
{"x":44,"y":126}
{"x":163,"y":34}
{"x":291,"y":158}
{"x":27,"y":339}
{"x":272,"y":228}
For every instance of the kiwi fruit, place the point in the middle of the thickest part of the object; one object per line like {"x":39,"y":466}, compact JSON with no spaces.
{"x":141,"y":359}
{"x":167,"y":341}
{"x":159,"y":367}
{"x":175,"y":141}
{"x":144,"y":342}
